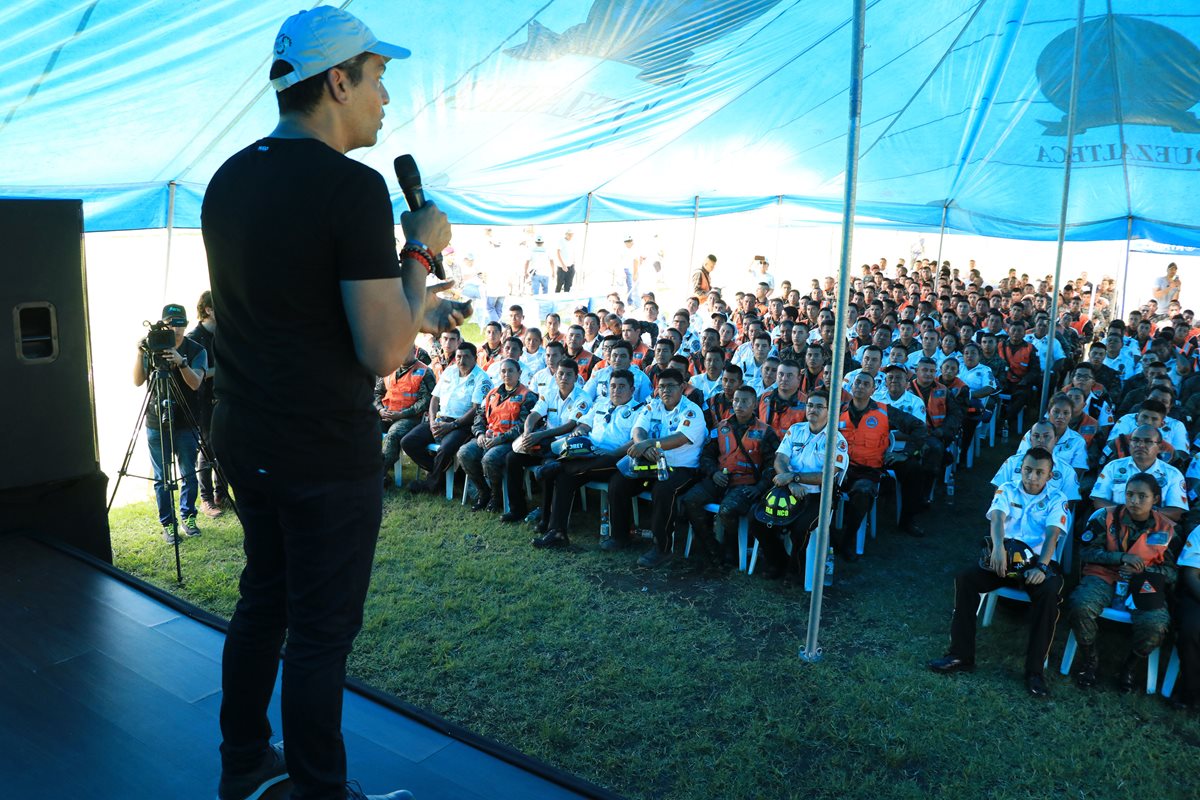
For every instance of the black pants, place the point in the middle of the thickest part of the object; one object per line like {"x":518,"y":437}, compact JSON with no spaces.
{"x":1187,"y":640}
{"x":436,"y":464}
{"x":309,"y":546}
{"x":771,"y":540}
{"x":1021,"y":398}
{"x":514,"y":466}
{"x":974,"y":581}
{"x":561,"y":481}
{"x":564,"y":278}
{"x":733,"y":503}
{"x":622,"y":494}
{"x":205,"y":470}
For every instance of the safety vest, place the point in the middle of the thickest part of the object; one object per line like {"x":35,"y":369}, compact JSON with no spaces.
{"x":486,"y":357}
{"x":935,"y":402}
{"x":402,"y":392}
{"x":1149,"y":546}
{"x":719,"y":409}
{"x":809,"y":383}
{"x":701,"y":283}
{"x":870,"y":438}
{"x":1017,"y":358}
{"x":652,"y":372}
{"x":1087,"y":427}
{"x":503,"y":415}
{"x":696,"y":364}
{"x":639,"y":355}
{"x":744,"y":467}
{"x":780,"y":419}
{"x":1080,"y":324}
{"x":586,"y":361}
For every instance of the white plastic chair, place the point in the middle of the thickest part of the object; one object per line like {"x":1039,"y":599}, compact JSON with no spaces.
{"x":1168,"y":684}
{"x":743,"y":539}
{"x":1123,"y":616}
{"x":987,"y":605}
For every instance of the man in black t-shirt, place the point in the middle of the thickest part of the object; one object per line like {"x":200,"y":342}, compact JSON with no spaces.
{"x":211,"y":499}
{"x":185,"y":365}
{"x":314,"y":305}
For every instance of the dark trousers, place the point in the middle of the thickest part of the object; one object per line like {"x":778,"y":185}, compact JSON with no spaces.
{"x":309,"y":546}
{"x":561,"y":481}
{"x":514,"y":466}
{"x":415,"y":441}
{"x":1187,"y":640}
{"x":564,"y":278}
{"x":969,"y":426}
{"x":1022,"y":397}
{"x":623,"y":492}
{"x":861,"y":485}
{"x":205,"y":470}
{"x":974,"y":581}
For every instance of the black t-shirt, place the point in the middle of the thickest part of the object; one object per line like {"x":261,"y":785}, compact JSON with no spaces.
{"x":284,"y":221}
{"x":204,"y":337}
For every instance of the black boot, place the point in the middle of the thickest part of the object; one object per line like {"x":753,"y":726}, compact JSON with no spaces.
{"x":1087,"y":661}
{"x":1129,"y":670}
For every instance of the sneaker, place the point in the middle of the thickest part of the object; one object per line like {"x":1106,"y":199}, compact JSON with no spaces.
{"x":189,"y":527}
{"x":653,"y":558}
{"x":251,"y":786}
{"x":355,"y":792}
{"x":210,"y":510}
{"x":168,"y":535}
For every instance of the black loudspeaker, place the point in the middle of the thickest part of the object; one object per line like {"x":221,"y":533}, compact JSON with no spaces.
{"x":48,"y":446}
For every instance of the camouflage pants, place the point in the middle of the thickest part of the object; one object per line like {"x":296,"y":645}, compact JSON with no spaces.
{"x":391,"y":440}
{"x":1092,"y":596}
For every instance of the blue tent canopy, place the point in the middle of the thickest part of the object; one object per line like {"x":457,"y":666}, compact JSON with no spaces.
{"x":532,"y":111}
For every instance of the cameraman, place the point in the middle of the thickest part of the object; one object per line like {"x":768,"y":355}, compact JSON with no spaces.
{"x":189,"y":361}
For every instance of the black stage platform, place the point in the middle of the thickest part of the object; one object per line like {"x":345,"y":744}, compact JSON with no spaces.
{"x":107,"y":692}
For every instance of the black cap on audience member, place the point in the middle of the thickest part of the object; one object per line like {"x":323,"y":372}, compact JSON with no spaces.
{"x":174,"y":314}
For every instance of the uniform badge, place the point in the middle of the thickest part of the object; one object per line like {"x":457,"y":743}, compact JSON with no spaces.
{"x":872,"y":422}
{"x":1158,"y":539}
{"x":1087,"y":536}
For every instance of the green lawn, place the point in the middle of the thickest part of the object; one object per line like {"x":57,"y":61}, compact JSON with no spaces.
{"x":666,"y":685}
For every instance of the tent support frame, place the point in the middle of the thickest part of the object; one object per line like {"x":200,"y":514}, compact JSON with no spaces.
{"x":1062,"y":213}
{"x":811,"y":651}
{"x":170,"y":235}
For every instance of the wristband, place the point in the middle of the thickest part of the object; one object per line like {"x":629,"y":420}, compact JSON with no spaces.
{"x":416,"y":243}
{"x":419,"y":254}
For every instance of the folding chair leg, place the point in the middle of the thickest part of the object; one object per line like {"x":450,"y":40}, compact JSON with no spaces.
{"x":1068,"y":654}
{"x":810,"y":563}
{"x":743,"y":542}
{"x":753,"y":558}
{"x":1168,"y":684}
{"x":989,"y":608}
{"x":687,"y":550}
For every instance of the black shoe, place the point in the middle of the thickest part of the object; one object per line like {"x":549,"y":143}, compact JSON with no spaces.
{"x":610,"y":543}
{"x":1128,"y":673}
{"x":250,"y":786}
{"x":355,"y":792}
{"x":483,"y":501}
{"x":912,"y":529}
{"x":1087,"y":661}
{"x":551,"y":539}
{"x":654,"y":558}
{"x":419,"y":487}
{"x":1036,"y":686}
{"x":512,"y":516}
{"x":949,"y":664}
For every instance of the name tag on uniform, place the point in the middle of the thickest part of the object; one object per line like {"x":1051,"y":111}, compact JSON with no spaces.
{"x":1158,"y":539}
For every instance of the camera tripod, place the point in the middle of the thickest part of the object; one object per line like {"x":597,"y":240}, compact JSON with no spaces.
{"x":163,"y":390}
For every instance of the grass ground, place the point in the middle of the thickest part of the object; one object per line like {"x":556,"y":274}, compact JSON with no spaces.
{"x":666,"y":685}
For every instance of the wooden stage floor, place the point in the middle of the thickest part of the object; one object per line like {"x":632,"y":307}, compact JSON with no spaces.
{"x":107,"y":692}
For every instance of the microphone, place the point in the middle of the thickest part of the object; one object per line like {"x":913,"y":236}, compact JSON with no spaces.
{"x":414,"y":194}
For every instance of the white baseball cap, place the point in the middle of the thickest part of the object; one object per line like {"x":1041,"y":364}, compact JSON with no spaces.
{"x":313,"y":41}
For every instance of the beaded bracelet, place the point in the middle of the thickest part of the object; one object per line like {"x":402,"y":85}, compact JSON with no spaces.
{"x":419,"y":254}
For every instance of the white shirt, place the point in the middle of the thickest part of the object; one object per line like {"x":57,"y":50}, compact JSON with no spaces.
{"x":597,"y":385}
{"x":1040,"y":346}
{"x":457,"y":394}
{"x":532,"y":363}
{"x":1190,"y":557}
{"x":849,"y":381}
{"x":860,"y":352}
{"x":938,"y":357}
{"x":1071,"y":449}
{"x":705,"y":384}
{"x":1124,"y":364}
{"x":558,"y":410}
{"x":909,"y":403}
{"x":1027,"y":516}
{"x":1062,"y":477}
{"x":1110,"y":485}
{"x":567,"y":251}
{"x":805,"y":450}
{"x":542,"y":383}
{"x":1172,"y":430}
{"x":978,"y":377}
{"x":685,"y":418}
{"x":690,"y":343}
{"x":611,"y":426}
{"x":1192,"y":478}
{"x":539,"y":260}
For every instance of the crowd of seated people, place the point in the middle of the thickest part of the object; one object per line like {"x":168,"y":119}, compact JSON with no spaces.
{"x":725,"y":405}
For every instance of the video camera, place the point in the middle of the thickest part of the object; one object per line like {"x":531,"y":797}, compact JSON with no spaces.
{"x":160,"y":337}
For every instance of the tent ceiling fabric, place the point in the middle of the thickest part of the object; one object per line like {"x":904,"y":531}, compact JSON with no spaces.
{"x":518,"y":110}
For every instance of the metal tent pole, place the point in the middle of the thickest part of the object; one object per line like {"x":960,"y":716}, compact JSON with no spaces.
{"x":1062,"y":213}
{"x":587,"y":220}
{"x":937,"y":269}
{"x":170,"y":235}
{"x":1125,"y":269}
{"x":695,"y":225}
{"x":811,"y":651}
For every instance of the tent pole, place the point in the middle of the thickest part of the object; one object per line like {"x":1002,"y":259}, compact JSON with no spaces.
{"x":811,"y":651}
{"x":778,"y":228}
{"x":587,"y":220}
{"x":170,"y":235}
{"x":937,"y":269}
{"x":1062,"y":213}
{"x":1125,"y":270}
{"x":695,"y":224}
